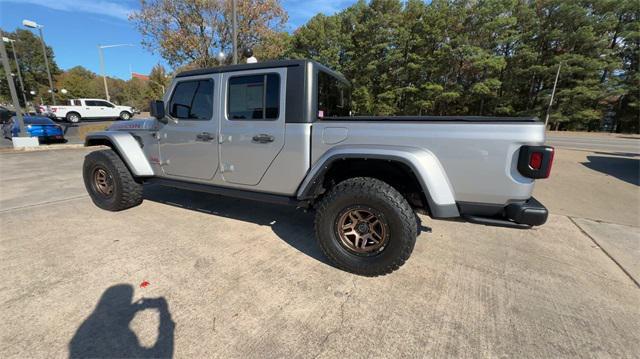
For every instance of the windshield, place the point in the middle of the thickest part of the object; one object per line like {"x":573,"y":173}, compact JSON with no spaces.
{"x":334,"y":96}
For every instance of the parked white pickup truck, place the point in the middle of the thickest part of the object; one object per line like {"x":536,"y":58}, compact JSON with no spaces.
{"x":90,"y":108}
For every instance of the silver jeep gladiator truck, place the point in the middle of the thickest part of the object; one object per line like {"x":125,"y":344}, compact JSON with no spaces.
{"x":282,"y":132}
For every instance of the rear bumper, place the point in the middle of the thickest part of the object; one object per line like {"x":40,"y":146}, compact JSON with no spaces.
{"x":525,"y":214}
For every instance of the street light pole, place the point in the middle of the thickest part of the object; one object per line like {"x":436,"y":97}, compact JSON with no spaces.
{"x":234,"y":21}
{"x":104,"y":76}
{"x":12,"y":89}
{"x":34,"y":25}
{"x":15,"y":57}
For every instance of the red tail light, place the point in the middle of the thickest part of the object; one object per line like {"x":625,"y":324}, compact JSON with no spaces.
{"x":535,"y":161}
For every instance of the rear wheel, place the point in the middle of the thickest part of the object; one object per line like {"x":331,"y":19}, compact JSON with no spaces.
{"x":109,"y":182}
{"x":73,"y":117}
{"x":366,"y":227}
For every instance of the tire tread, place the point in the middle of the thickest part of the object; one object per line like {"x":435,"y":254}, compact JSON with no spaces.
{"x":131,"y":190}
{"x":365,"y":186}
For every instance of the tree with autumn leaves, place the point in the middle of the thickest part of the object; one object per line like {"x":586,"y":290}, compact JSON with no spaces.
{"x":191,"y":32}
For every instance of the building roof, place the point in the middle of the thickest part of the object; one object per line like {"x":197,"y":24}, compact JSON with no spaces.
{"x":139,"y":76}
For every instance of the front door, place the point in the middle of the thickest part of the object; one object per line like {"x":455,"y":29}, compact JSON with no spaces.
{"x":188,"y":142}
{"x":106,"y":109}
{"x":253,"y":124}
{"x":92,"y":109}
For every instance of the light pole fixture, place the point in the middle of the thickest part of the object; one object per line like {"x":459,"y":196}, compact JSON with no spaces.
{"x":104,"y":76}
{"x":34,"y":25}
{"x":15,"y":57}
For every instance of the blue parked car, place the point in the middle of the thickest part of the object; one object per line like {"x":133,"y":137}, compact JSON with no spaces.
{"x":37,"y":126}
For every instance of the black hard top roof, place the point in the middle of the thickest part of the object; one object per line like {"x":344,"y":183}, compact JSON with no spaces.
{"x":258,"y":66}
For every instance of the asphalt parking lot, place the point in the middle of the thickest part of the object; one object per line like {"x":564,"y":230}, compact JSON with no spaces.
{"x":196,"y":275}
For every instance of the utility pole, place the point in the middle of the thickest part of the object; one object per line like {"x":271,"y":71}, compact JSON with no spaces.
{"x":15,"y":57}
{"x":34,"y":25}
{"x":234,"y":21}
{"x":104,"y":76}
{"x":553,"y":93}
{"x":12,"y":89}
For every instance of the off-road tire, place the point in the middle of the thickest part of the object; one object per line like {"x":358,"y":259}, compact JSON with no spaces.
{"x":377,"y":195}
{"x":73,"y":117}
{"x":126,"y":192}
{"x":125,"y":116}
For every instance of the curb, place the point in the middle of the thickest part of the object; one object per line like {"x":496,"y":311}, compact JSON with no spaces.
{"x":41,"y":148}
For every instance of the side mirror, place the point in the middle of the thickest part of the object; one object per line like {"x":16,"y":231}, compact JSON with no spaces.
{"x":157,"y":110}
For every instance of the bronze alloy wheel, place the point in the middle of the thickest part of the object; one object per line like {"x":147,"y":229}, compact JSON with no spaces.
{"x":362,"y":230}
{"x":102,"y":182}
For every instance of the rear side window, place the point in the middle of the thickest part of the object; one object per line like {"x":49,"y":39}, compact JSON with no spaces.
{"x":91,"y":103}
{"x":254,"y":97}
{"x":192,"y":100}
{"x":334,"y":96}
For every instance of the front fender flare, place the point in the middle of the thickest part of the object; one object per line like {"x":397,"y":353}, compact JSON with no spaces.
{"x":424,"y":164}
{"x":127,"y":148}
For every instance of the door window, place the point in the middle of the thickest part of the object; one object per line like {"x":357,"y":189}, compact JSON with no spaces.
{"x":254,"y":97}
{"x":92,"y":103}
{"x":192,"y":100}
{"x":105,"y":104}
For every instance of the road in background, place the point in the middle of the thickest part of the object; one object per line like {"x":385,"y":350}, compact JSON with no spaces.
{"x":596,"y":142}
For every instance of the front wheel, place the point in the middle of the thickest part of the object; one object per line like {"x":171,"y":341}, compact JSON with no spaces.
{"x":124,"y":115}
{"x":109,"y":182}
{"x":366,"y":227}
{"x":73,"y":117}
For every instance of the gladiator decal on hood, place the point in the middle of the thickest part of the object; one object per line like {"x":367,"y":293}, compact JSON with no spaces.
{"x":148,"y":125}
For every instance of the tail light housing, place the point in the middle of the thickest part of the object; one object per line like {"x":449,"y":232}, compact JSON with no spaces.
{"x":535,"y":161}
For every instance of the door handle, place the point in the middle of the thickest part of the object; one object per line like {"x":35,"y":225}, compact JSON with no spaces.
{"x":204,"y":136}
{"x":262,"y":138}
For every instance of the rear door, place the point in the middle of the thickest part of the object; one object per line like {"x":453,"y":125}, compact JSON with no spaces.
{"x":188,"y":146}
{"x":253,"y":123}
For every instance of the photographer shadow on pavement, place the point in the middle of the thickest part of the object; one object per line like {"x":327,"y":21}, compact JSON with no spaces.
{"x":106,"y":332}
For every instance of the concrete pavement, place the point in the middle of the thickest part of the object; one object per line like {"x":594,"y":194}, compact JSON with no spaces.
{"x":245,"y":279}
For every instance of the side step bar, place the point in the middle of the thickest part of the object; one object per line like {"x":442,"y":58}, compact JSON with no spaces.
{"x":496,"y":222}
{"x":225,"y":191}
